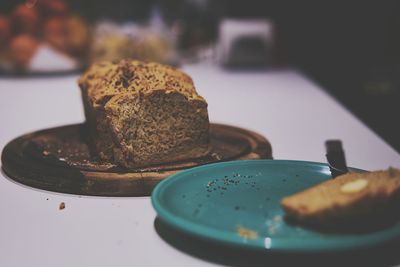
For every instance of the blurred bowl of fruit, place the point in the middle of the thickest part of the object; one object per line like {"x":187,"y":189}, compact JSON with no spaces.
{"x":43,"y":36}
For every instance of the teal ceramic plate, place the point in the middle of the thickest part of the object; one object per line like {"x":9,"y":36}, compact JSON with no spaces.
{"x":237,"y":203}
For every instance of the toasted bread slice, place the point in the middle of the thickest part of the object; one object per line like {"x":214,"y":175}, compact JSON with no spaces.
{"x":365,"y":198}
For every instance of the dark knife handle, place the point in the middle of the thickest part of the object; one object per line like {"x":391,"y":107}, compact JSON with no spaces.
{"x":336,"y":158}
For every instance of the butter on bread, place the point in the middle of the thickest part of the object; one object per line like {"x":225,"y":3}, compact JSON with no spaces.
{"x":352,"y":197}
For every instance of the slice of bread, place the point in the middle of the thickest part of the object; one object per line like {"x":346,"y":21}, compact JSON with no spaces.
{"x":361,"y":199}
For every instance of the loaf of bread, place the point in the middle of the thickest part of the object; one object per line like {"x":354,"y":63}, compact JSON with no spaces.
{"x":143,"y":113}
{"x":362,"y":198}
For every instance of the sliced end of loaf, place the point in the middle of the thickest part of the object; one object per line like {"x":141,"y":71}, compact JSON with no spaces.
{"x":157,"y":127}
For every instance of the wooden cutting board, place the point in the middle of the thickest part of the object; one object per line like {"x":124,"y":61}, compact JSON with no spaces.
{"x":59,"y":160}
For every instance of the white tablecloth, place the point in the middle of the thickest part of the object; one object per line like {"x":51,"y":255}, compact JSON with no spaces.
{"x":295,"y":115}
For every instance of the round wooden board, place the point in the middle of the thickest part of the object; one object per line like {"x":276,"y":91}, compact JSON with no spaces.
{"x":59,"y":160}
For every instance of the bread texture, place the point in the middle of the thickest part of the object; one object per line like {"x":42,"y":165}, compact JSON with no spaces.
{"x":356,"y":199}
{"x":143,"y":113}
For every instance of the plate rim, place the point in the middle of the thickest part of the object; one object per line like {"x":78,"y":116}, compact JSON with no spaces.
{"x":333,"y":243}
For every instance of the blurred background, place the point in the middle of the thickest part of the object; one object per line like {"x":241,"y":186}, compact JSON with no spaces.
{"x":350,"y":48}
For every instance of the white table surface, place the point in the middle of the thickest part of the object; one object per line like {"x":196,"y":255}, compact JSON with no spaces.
{"x":291,"y":111}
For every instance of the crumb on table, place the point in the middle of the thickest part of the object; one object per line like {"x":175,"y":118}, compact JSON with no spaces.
{"x":246,"y":233}
{"x":61,"y":206}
